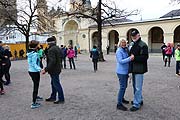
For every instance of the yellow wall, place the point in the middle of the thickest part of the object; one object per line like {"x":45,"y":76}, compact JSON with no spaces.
{"x":20,"y":46}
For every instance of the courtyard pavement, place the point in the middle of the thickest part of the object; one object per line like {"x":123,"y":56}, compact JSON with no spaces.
{"x":93,"y":96}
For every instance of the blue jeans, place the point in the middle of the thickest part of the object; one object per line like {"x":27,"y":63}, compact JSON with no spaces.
{"x":56,"y":87}
{"x":123,"y":81}
{"x":137,"y":86}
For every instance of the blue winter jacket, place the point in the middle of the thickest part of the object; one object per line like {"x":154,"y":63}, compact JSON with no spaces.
{"x":33,"y":62}
{"x":123,"y":60}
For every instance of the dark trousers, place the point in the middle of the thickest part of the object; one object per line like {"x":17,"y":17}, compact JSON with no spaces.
{"x":64,"y":61}
{"x":6,"y":73}
{"x":177,"y":67}
{"x":95,"y":61}
{"x":41,"y":64}
{"x":163,"y":55}
{"x":56,"y":87}
{"x":1,"y":76}
{"x":167,"y":59}
{"x":35,"y":76}
{"x":71,"y":61}
{"x":1,"y":82}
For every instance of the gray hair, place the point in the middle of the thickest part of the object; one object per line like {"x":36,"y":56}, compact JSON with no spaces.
{"x":120,"y":42}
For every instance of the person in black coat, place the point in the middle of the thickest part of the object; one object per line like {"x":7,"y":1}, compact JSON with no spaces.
{"x":2,"y":58}
{"x":94,"y":54}
{"x":7,"y":65}
{"x":54,"y":63}
{"x":138,"y":67}
{"x":163,"y":47}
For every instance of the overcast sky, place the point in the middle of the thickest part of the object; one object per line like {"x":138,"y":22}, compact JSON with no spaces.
{"x":150,"y":9}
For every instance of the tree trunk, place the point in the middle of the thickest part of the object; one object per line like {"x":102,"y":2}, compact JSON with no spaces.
{"x":101,"y":57}
{"x":27,"y":43}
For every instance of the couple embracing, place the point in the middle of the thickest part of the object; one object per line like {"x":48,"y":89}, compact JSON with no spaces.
{"x":131,"y":60}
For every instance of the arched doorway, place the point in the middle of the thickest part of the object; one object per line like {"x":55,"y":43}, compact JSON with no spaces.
{"x":129,"y":40}
{"x":155,"y":39}
{"x":95,"y":39}
{"x":177,"y":35}
{"x":113,"y":38}
{"x":71,"y":33}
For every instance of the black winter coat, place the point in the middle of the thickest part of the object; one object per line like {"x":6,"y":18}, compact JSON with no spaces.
{"x":140,"y":52}
{"x":54,"y":60}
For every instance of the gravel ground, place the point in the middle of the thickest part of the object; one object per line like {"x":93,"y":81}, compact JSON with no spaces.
{"x":93,"y":96}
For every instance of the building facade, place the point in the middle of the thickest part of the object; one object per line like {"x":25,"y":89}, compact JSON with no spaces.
{"x":83,"y":32}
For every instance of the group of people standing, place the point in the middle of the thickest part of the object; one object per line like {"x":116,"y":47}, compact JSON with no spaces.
{"x":71,"y":54}
{"x":168,"y":51}
{"x":131,"y":59}
{"x":5,"y":64}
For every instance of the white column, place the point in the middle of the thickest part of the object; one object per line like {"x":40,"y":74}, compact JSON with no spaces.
{"x":168,"y":37}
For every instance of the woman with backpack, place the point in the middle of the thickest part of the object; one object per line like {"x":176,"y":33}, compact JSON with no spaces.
{"x":94,"y":54}
{"x":168,"y":54}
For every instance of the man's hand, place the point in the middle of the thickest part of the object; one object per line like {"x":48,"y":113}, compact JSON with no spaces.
{"x":132,"y":57}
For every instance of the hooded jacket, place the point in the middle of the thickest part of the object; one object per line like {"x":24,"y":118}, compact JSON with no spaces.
{"x":94,"y":54}
{"x":33,"y":62}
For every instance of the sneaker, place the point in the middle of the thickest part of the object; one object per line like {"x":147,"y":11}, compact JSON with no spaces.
{"x":50,"y":100}
{"x":121,"y":107}
{"x":59,"y":102}
{"x":35,"y":105}
{"x":2,"y":92}
{"x":7,"y":83}
{"x":125,"y":101}
{"x":140,"y":103}
{"x":39,"y":98}
{"x":133,"y":109}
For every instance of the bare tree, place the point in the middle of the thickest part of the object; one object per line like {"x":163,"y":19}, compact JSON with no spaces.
{"x":175,"y":1}
{"x":27,"y":16}
{"x":102,"y":12}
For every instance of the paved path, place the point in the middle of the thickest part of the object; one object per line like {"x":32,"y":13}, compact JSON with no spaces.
{"x":93,"y":96}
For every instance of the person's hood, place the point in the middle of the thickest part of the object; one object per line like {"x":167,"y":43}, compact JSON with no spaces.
{"x":94,"y":49}
{"x":29,"y":54}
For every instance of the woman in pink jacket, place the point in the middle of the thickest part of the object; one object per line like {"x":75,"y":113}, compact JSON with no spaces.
{"x":70,"y":55}
{"x":168,"y":55}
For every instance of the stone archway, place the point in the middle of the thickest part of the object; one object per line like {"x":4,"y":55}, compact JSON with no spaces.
{"x":113,"y":38}
{"x":177,"y":35}
{"x":155,"y":39}
{"x":95,"y":39}
{"x":71,"y":33}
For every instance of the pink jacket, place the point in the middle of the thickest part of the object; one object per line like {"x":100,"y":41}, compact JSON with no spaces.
{"x":168,"y":50}
{"x":70,"y":53}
